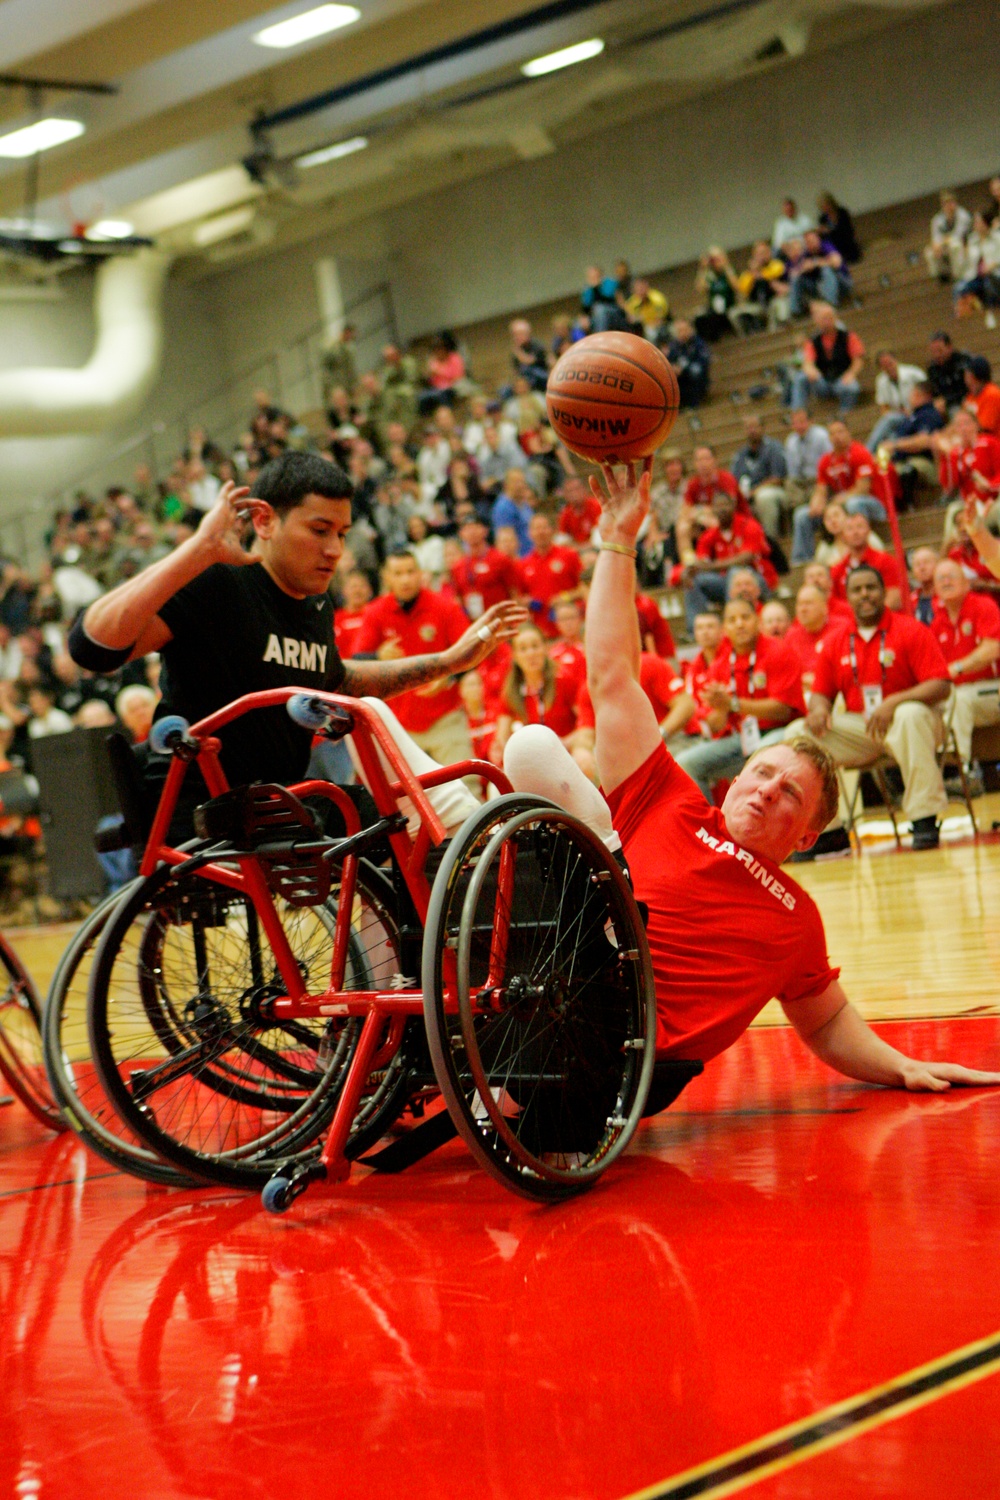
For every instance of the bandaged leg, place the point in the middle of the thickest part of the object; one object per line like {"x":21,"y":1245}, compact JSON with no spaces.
{"x":536,"y":760}
{"x":453,"y":802}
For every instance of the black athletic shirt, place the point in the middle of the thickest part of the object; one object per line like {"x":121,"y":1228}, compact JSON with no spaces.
{"x":235,"y":632}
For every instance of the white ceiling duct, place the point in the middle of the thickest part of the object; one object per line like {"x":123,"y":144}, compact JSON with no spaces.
{"x":121,"y":371}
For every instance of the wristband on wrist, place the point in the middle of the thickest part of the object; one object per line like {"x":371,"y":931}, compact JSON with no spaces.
{"x":617,"y":547}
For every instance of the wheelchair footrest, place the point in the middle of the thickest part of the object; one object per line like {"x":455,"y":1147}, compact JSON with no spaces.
{"x":671,"y":1075}
{"x":414,"y":1145}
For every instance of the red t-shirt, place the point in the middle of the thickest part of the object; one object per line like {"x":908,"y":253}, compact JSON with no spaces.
{"x":883,"y":562}
{"x":768,"y":670}
{"x":700,"y":491}
{"x":570,"y":659}
{"x":482,"y":732}
{"x":839,"y":609}
{"x":978,"y":620}
{"x":727,"y":931}
{"x":909,"y":654}
{"x":430,"y":624}
{"x":986,"y":407}
{"x":578,"y":521}
{"x":840,"y":472}
{"x":652,"y":623}
{"x":969,"y":561}
{"x":959,"y":468}
{"x":346,"y":624}
{"x":747,"y":535}
{"x":558,"y":572}
{"x":806,"y":646}
{"x":657,"y":681}
{"x":481,"y":582}
{"x":560,"y":716}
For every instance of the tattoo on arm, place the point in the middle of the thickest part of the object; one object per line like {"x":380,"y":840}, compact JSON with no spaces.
{"x":384,"y":679}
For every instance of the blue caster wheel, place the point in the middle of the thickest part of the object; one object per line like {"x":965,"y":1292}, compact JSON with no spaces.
{"x":166,"y":733}
{"x":276,"y":1195}
{"x":308,"y":712}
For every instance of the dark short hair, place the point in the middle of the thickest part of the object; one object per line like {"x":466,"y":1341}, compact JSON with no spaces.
{"x":285,"y":481}
{"x":401,"y":552}
{"x":941,"y":337}
{"x":979,"y":368}
{"x":865,"y":568}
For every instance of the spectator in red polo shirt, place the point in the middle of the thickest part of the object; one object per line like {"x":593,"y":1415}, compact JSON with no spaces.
{"x":534,"y":691}
{"x":567,"y":650}
{"x":968,"y":460}
{"x":754,"y":689}
{"x":984,"y":395}
{"x":775,"y":621}
{"x":832,"y":360}
{"x":807,"y":632}
{"x":347,"y":621}
{"x":580,"y":512}
{"x":547,"y":570}
{"x":894,"y":679}
{"x":696,"y":513}
{"x":484,"y":576}
{"x":818,"y":574}
{"x":654,"y":628}
{"x":845,"y":474}
{"x":856,"y":536}
{"x":734,"y":541}
{"x":409,"y":620}
{"x":967,"y":627}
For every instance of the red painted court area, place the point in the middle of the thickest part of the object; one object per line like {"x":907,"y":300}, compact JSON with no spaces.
{"x":779,"y":1242}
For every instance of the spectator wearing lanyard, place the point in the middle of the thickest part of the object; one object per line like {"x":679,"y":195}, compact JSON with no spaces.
{"x":535,"y":692}
{"x":734,"y":542}
{"x":810,"y":628}
{"x":567,"y":649}
{"x":967,"y":627}
{"x":894,"y":678}
{"x":753,"y":689}
{"x":484,"y":576}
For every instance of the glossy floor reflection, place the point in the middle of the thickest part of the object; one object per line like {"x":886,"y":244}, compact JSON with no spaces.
{"x":777,"y":1242}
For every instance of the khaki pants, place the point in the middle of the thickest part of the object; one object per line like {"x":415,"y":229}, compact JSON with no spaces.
{"x":769,"y":502}
{"x":947,"y":255}
{"x":447,"y":740}
{"x":914,"y":735}
{"x":972,"y":705}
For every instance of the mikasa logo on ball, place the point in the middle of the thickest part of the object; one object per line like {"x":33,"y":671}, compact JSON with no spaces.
{"x":609,"y":426}
{"x":601,"y":377}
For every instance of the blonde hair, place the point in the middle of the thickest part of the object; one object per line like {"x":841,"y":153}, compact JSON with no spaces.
{"x":826,"y":766}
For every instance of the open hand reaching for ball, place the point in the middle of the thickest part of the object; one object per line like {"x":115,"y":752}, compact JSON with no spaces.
{"x":624,"y":505}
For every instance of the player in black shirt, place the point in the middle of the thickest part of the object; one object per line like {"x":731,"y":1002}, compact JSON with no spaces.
{"x":228,"y":621}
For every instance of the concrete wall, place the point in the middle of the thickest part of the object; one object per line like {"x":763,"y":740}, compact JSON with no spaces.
{"x":899,"y":115}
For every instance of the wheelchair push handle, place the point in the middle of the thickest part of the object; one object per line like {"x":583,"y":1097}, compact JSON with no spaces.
{"x":328,"y":719}
{"x":170,"y":735}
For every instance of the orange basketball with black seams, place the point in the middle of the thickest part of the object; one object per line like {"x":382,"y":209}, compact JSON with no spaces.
{"x":612,"y":397}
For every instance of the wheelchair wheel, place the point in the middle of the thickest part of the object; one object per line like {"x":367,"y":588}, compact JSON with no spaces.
{"x":70,"y":1065}
{"x":538,"y":997}
{"x":21,"y":1061}
{"x":180,"y":1033}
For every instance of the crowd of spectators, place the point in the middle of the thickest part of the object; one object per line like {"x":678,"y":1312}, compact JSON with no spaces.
{"x":464,"y":497}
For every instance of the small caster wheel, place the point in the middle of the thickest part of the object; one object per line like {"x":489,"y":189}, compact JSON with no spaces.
{"x":276,"y":1195}
{"x":167,"y":733}
{"x":308,"y":712}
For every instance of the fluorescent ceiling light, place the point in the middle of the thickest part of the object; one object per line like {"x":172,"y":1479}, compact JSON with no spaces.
{"x":224,"y":226}
{"x":565,"y":58}
{"x":39,"y":137}
{"x":332,"y":153}
{"x":310,"y":24}
{"x":110,"y":229}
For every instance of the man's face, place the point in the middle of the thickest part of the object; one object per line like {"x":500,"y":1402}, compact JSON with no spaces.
{"x":575,"y":493}
{"x":673,"y":472}
{"x":745,"y":585}
{"x":772,"y":804}
{"x":889,"y":365}
{"x":950,"y":583}
{"x":402,"y":578}
{"x":640,"y":286}
{"x":972,"y":385}
{"x":724,"y":509}
{"x":444,"y":420}
{"x":966,"y":428}
{"x":682,"y":330}
{"x":788,"y":207}
{"x":866,"y":596}
{"x":540,"y":532}
{"x":818,"y":576}
{"x":739,"y":621}
{"x":939,"y":351}
{"x":707,"y":632}
{"x":304,"y":547}
{"x":800,"y":421}
{"x":840,"y":436}
{"x":922,"y":565}
{"x":704,"y":463}
{"x":811,"y":241}
{"x":520,"y":331}
{"x":357,"y":591}
{"x":811,"y":609}
{"x":473,"y":534}
{"x":755,"y":433}
{"x":824,"y":317}
{"x":774,"y":619}
{"x":516,"y":486}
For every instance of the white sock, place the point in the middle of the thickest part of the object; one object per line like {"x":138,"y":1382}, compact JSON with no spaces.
{"x":453,"y":802}
{"x":536,"y":760}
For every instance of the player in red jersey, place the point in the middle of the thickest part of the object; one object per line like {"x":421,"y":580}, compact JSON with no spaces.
{"x":728,"y":929}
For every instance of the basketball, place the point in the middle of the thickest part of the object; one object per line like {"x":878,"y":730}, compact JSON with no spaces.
{"x":612,"y":397}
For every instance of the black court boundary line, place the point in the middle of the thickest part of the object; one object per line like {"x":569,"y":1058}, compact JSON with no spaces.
{"x":836,"y":1424}
{"x":39,"y":1187}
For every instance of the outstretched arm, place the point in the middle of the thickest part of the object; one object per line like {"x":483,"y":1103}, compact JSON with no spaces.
{"x":384,"y":679}
{"x":626,"y":729}
{"x":831,"y":1027}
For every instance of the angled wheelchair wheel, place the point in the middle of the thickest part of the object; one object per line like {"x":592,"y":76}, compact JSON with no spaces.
{"x":182,"y":1039}
{"x":538,"y":997}
{"x":70,"y":1065}
{"x":21,"y":1060}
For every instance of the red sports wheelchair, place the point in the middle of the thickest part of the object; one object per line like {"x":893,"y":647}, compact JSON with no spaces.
{"x":255,"y":1001}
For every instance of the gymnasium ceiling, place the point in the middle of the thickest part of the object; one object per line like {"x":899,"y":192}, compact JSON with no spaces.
{"x":165,"y":151}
